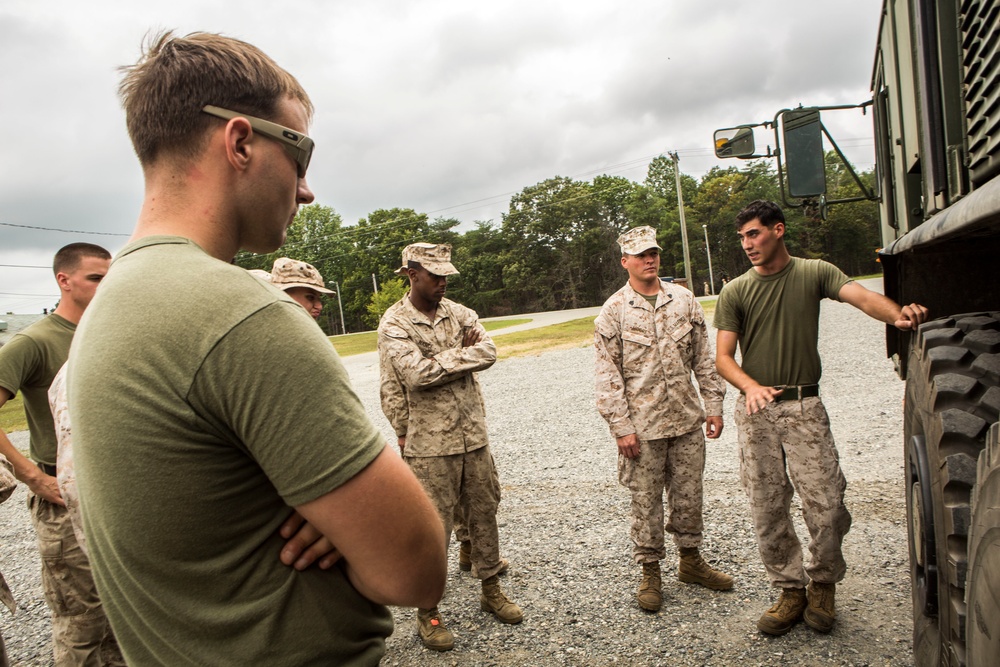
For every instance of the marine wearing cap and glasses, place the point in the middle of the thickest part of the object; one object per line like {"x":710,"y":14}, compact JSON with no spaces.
{"x":193,"y":447}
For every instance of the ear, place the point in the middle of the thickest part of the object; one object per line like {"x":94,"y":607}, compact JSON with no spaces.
{"x":779,"y":229}
{"x":624,"y":259}
{"x":63,"y":280}
{"x":239,"y":143}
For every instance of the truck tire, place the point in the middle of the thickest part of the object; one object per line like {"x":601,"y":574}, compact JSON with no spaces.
{"x":983,"y":601}
{"x":952,"y":399}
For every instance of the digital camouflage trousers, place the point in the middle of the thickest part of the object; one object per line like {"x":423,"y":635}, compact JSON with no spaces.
{"x":81,"y":634}
{"x":784,"y":448}
{"x":675,"y":465}
{"x":469,"y":484}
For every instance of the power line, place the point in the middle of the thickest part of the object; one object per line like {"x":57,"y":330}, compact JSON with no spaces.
{"x":68,"y":231}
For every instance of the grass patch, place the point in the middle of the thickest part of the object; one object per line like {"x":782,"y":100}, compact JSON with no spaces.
{"x":493,"y":325}
{"x":575,"y":333}
{"x":367,"y":341}
{"x":12,"y":416}
{"x":357,"y":343}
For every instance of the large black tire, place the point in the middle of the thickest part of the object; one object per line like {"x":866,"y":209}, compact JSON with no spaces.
{"x":952,"y":399}
{"x":983,"y":601}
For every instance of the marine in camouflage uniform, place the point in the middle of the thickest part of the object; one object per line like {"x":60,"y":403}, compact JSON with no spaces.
{"x":649,"y":338}
{"x":772,"y":313}
{"x":81,"y":634}
{"x":430,"y":349}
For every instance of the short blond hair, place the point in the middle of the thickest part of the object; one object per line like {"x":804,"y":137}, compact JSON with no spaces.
{"x":164,"y":92}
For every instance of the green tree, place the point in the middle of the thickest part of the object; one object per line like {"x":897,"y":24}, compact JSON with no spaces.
{"x":389,"y":293}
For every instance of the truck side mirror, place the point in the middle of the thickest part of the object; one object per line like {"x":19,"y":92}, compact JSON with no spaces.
{"x":734,"y":142}
{"x":804,"y":158}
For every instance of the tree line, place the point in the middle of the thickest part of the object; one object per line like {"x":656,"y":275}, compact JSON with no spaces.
{"x":555,"y":247}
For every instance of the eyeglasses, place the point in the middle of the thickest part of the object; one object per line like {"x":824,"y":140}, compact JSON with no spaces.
{"x":298,"y":145}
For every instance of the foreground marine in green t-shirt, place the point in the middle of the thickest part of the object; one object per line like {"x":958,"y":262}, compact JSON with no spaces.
{"x":772,"y":312}
{"x":205,"y":402}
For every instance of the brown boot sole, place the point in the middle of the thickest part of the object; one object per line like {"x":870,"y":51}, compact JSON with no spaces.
{"x":648,"y":606}
{"x":776,"y":630}
{"x":485,"y":606}
{"x":819,"y":623}
{"x":438,"y":647}
{"x":715,"y":586}
{"x":464,"y":567}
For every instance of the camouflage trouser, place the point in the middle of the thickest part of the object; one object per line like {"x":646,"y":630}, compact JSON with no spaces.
{"x":461,"y":531}
{"x":469,"y":483}
{"x":81,"y":634}
{"x":795,"y":434}
{"x":676,"y":465}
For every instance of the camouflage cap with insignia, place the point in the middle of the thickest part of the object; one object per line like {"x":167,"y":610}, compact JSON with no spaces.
{"x":287,"y":273}
{"x":435,"y":258}
{"x":636,"y":240}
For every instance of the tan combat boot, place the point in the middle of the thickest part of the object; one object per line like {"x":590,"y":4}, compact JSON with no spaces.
{"x":785,"y":613}
{"x":494,"y":601}
{"x":650,"y":595}
{"x":465,"y":559}
{"x":693,"y":569}
{"x":432,"y":630}
{"x":820,"y":614}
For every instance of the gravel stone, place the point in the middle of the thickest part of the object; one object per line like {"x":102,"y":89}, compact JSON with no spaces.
{"x":564,"y":524}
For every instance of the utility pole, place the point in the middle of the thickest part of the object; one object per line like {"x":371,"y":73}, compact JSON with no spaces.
{"x":708,"y":251}
{"x":340,"y":306}
{"x":375,"y":284}
{"x":684,"y":233}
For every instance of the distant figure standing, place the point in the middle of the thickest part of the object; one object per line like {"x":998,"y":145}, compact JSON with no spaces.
{"x":648,"y":340}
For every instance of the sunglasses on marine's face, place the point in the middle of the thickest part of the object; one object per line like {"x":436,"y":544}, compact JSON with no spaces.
{"x":298,"y":145}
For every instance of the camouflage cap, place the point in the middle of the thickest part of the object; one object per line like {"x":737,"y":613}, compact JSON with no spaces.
{"x":638,"y":239}
{"x":435,"y":258}
{"x":287,"y":273}
{"x":260,"y":274}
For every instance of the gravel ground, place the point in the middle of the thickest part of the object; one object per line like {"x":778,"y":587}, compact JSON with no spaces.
{"x":564,"y":527}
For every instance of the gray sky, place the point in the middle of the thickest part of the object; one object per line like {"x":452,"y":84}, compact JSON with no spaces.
{"x":444,"y":106}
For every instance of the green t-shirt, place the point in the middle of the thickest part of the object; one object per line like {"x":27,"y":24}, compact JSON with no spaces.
{"x":28,"y":363}
{"x":205,"y":403}
{"x":777,"y":319}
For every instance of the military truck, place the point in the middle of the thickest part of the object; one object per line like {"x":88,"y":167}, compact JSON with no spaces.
{"x":936,"y":111}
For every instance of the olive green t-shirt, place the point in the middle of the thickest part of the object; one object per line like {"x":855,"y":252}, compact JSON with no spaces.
{"x":777,"y":319}
{"x":28,"y":363}
{"x":204,"y":404}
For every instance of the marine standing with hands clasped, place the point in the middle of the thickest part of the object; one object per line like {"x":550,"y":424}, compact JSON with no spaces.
{"x":29,"y":363}
{"x":772,"y":313}
{"x":429,"y":351}
{"x":648,"y":340}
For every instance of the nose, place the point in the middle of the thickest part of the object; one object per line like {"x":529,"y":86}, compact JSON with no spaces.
{"x":745,"y":243}
{"x":303,"y":194}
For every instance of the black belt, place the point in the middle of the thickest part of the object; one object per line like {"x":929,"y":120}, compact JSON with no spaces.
{"x":47,"y":469}
{"x":795,"y":393}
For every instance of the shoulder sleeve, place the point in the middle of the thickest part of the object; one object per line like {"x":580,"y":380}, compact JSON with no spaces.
{"x":18,"y":360}
{"x":727,"y":316}
{"x":275,"y":383}
{"x":831,"y":280}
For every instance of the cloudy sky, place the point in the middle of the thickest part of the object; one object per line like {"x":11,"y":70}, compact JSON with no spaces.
{"x":444,"y":106}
